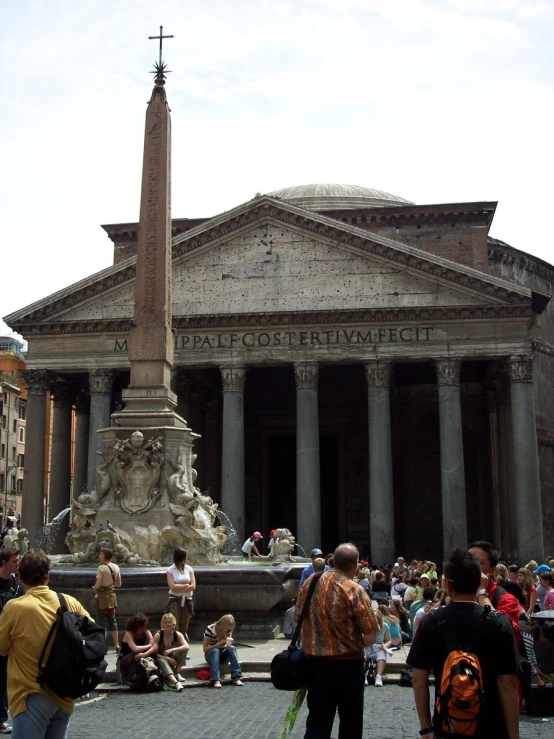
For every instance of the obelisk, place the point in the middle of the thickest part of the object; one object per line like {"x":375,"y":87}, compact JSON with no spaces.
{"x":149,"y":400}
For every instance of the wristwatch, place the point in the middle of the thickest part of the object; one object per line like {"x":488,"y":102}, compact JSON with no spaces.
{"x":483,"y":591}
{"x":428,"y":730}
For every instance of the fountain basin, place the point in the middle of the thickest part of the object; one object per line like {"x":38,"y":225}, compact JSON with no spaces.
{"x":256,"y":593}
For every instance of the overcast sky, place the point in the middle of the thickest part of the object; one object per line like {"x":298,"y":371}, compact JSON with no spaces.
{"x":436,"y":101}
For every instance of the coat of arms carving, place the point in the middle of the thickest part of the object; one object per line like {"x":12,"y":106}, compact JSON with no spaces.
{"x":138,"y":465}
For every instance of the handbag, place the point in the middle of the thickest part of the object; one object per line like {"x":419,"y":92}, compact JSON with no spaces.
{"x":289,"y":668}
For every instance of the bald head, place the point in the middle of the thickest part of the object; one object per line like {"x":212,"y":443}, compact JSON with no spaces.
{"x":345,"y":558}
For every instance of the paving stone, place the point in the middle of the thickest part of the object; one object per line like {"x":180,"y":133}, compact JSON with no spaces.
{"x":255,"y":711}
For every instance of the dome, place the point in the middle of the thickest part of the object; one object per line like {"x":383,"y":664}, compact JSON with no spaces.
{"x":337,"y":197}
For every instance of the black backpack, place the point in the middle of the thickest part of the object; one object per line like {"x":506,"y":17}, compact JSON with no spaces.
{"x":76,"y":662}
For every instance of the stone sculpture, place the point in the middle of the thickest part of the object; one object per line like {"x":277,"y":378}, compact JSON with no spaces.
{"x":283,"y":545}
{"x":134,"y":480}
{"x":17,"y":539}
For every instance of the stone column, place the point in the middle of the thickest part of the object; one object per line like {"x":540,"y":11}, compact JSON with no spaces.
{"x":82,"y":421}
{"x":454,"y":518}
{"x":508,"y":521}
{"x":308,"y":495}
{"x":100,"y":381}
{"x":381,"y":501}
{"x":232,"y":453}
{"x":528,"y":511}
{"x":60,"y":471}
{"x":183,"y":389}
{"x":32,"y":514}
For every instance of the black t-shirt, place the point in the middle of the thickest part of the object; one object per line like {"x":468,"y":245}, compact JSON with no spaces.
{"x":9,"y":589}
{"x":380,"y":586}
{"x":490,"y":638}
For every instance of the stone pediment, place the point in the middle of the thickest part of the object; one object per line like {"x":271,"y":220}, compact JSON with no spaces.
{"x":274,"y":258}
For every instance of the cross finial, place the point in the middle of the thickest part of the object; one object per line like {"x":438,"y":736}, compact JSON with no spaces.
{"x":161,"y":36}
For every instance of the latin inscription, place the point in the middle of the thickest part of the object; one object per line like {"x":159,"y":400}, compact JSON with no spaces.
{"x":263,"y":339}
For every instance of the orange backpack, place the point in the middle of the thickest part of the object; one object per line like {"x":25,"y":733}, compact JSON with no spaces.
{"x":460,"y":699}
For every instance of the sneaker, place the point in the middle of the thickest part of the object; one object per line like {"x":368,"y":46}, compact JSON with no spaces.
{"x":366,"y":681}
{"x":177,"y":687}
{"x":5,"y":729}
{"x":378,"y":681}
{"x":180,"y":678}
{"x":237,"y":681}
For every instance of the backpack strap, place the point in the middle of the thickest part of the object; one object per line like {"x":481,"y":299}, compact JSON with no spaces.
{"x":498,"y":593}
{"x":111,"y":573}
{"x":59,"y":615}
{"x":303,"y":614}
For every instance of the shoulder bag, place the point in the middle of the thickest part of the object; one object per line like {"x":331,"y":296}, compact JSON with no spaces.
{"x":289,"y":667}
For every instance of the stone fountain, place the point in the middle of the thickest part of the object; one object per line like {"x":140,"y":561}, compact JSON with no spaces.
{"x":146,"y":502}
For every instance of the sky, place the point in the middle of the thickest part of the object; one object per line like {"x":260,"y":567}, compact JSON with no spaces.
{"x":435,"y":101}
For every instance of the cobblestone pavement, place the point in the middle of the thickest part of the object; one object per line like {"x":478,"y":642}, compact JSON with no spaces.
{"x":255,"y":711}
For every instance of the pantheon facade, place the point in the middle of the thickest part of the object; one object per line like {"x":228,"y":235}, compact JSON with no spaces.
{"x":358,"y":367}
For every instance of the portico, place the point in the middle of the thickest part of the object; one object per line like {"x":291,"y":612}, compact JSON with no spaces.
{"x":339,"y":380}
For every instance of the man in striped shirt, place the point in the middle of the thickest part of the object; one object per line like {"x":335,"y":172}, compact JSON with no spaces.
{"x":339,"y":624}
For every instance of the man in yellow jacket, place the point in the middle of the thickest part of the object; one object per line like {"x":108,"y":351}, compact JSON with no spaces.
{"x":24,"y":625}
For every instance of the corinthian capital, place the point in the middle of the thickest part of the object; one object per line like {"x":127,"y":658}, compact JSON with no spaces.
{"x":377,"y":373}
{"x":62,"y":392}
{"x":306,"y":375}
{"x":448,"y":371}
{"x":37,"y":381}
{"x":100,"y":381}
{"x":232,"y":378}
{"x":520,"y":368}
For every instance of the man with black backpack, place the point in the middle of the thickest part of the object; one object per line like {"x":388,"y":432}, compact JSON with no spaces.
{"x":472,"y":653}
{"x":25,"y":625}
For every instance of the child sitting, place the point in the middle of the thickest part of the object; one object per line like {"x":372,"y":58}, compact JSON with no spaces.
{"x":379,"y":650}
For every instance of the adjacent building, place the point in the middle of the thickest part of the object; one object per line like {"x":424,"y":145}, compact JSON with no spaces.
{"x":13,"y":412}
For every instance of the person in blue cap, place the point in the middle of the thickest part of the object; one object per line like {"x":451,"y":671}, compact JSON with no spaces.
{"x":309,"y":570}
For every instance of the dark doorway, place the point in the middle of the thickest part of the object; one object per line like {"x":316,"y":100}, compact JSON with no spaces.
{"x":329,"y":466}
{"x":282,"y":482}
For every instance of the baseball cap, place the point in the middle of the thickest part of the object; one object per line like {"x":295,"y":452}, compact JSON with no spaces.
{"x":541,"y":569}
{"x":316,"y":553}
{"x":257,"y":533}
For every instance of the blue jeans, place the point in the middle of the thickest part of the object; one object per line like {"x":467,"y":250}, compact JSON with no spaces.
{"x":220,"y":655}
{"x":43,"y":719}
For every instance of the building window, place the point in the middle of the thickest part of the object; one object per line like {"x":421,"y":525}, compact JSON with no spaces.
{"x":3,"y":422}
{"x":2,"y":480}
{"x":21,"y":434}
{"x":15,"y":426}
{"x":3,"y":451}
{"x":21,"y":460}
{"x":12,"y":487}
{"x":20,"y":485}
{"x":22,"y":412}
{"x":14,"y":452}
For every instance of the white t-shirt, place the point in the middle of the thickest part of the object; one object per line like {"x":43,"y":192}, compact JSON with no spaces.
{"x":247,"y":546}
{"x":181,"y":578}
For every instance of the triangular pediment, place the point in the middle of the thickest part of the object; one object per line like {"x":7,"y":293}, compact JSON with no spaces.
{"x":267,"y":256}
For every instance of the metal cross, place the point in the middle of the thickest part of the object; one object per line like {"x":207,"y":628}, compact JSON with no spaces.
{"x":161,"y":36}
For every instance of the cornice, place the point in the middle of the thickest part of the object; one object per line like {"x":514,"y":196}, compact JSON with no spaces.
{"x":505,"y":254}
{"x":543,"y":347}
{"x":264,"y":210}
{"x":284,"y":319}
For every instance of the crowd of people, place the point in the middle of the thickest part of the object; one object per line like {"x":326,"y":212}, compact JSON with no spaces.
{"x":358,"y":614}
